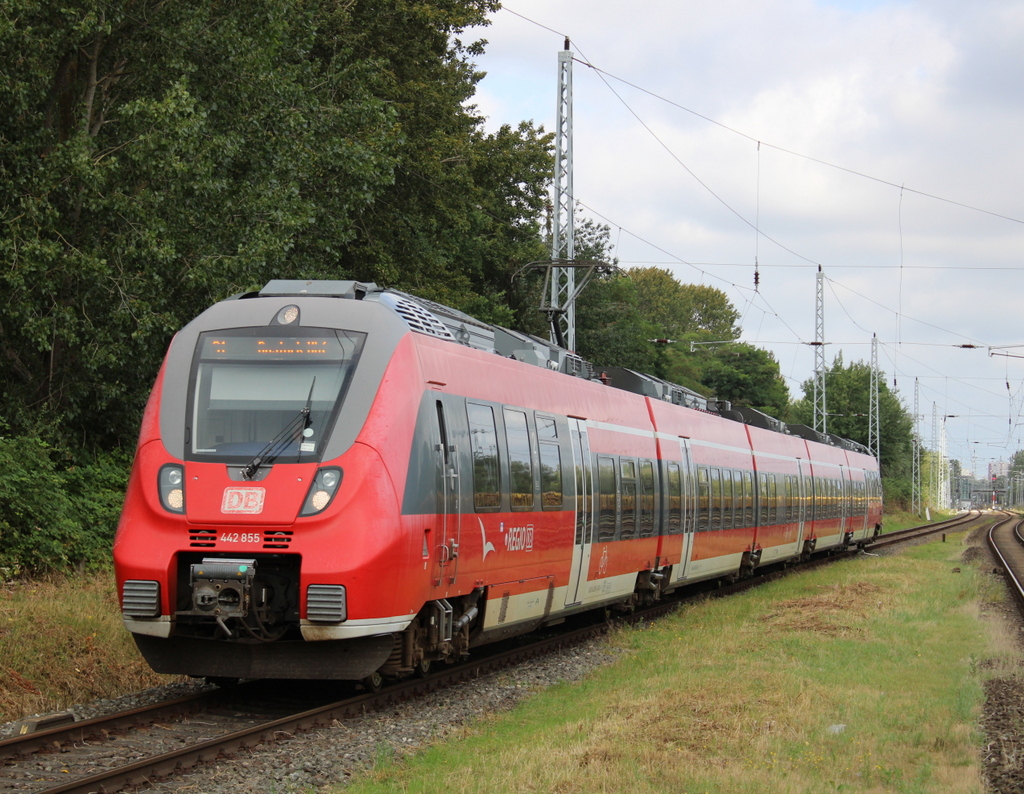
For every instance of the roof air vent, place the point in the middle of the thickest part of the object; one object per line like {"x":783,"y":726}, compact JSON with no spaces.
{"x":416,"y":317}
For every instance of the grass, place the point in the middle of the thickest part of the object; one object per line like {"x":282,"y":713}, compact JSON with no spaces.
{"x":895,"y":520}
{"x":865,"y":677}
{"x":62,"y":642}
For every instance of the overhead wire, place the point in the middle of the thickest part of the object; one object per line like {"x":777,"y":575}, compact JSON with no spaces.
{"x":810,"y":158}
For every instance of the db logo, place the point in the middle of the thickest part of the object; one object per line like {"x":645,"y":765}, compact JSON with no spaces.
{"x":243,"y":500}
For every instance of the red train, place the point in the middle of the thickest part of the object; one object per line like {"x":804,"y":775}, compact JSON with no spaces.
{"x":336,"y":481}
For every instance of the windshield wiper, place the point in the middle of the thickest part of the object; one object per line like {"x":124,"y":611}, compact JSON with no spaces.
{"x":280,"y":442}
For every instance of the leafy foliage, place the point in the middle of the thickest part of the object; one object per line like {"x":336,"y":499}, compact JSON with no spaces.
{"x":848,"y":394}
{"x":747,"y":375}
{"x":159,"y":157}
{"x":156,"y":157}
{"x":53,"y":516}
{"x":684,"y":311}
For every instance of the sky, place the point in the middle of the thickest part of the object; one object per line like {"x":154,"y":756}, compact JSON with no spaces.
{"x":878,"y":140}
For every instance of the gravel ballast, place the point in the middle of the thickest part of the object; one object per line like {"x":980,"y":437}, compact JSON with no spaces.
{"x":332,"y":756}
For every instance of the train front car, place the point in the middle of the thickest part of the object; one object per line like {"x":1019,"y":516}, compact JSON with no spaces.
{"x":261,"y":534}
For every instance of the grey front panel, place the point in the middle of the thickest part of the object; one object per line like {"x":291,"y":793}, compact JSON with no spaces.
{"x":383,"y":329}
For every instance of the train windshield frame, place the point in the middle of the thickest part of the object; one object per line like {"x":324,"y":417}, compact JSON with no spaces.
{"x":249,"y":388}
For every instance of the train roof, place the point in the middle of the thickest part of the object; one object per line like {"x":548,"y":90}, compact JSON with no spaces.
{"x":434,"y":319}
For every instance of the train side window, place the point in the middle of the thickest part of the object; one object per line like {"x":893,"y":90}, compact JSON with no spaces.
{"x":547,"y":430}
{"x":646,"y":498}
{"x":728,"y":500}
{"x":716,"y":499}
{"x":608,"y":499}
{"x":675,"y":499}
{"x":783,"y":498}
{"x":773,"y":498}
{"x":520,"y":460}
{"x":628,"y":472}
{"x":551,"y":477}
{"x":748,"y":499}
{"x":703,"y":500}
{"x":484,"y":444}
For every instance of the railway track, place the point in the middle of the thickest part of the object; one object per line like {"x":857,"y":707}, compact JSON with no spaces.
{"x":957,"y":523}
{"x":133,"y":748}
{"x":1006,"y":540}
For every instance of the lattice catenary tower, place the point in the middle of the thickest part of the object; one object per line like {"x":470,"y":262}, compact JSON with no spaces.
{"x":820,"y":416}
{"x":874,"y":437}
{"x":563,"y":279}
{"x":915,"y":485}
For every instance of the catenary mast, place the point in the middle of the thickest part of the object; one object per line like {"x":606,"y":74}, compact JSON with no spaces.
{"x":820,"y":415}
{"x":563,"y":278}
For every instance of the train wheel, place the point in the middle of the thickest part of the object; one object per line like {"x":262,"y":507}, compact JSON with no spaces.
{"x":373,"y":682}
{"x":422,"y":670}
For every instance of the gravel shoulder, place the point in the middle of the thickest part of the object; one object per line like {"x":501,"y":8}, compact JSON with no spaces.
{"x":1002,"y":718}
{"x":334,"y":755}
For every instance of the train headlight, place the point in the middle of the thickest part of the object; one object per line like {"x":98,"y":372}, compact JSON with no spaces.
{"x":287,"y":315}
{"x":321,"y":493}
{"x":171,"y":486}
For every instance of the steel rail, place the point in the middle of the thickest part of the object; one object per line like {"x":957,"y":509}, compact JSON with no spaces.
{"x":183,"y":758}
{"x":1010,"y":562}
{"x":899,"y":536}
{"x":101,"y":727}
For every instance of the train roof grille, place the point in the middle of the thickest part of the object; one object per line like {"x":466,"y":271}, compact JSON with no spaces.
{"x":417,"y":317}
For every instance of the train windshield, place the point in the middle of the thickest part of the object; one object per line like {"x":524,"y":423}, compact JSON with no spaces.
{"x":255,"y":387}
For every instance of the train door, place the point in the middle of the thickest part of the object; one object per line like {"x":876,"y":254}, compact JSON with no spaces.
{"x":689,"y":505}
{"x":862,"y":504}
{"x":449,"y":515}
{"x":844,"y":501}
{"x":583,"y":475}
{"x":688,"y":509}
{"x":803,"y":512}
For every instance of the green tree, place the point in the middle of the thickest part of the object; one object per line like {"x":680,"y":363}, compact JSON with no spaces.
{"x":156,"y":157}
{"x":684,"y":310}
{"x":747,"y":375}
{"x":848,"y":395}
{"x":462,"y":212}
{"x":610,"y":328}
